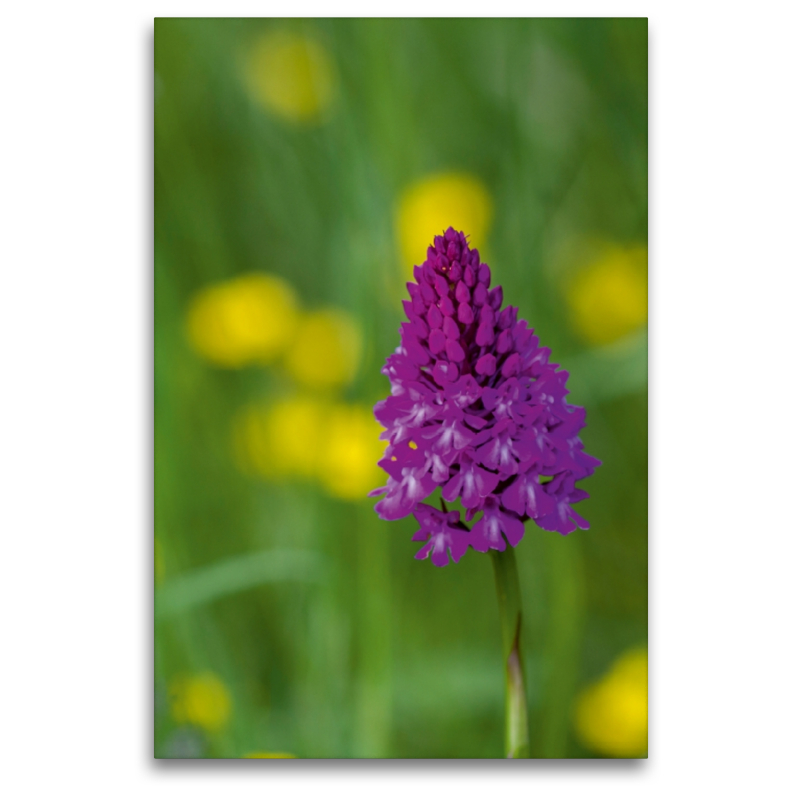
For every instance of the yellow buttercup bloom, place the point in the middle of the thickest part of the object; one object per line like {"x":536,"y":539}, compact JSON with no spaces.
{"x":611,"y":715}
{"x":269,"y":755}
{"x":350,"y":453}
{"x":608,"y":298}
{"x":325,"y":350}
{"x":291,"y":75}
{"x":433,"y":204}
{"x":201,"y":700}
{"x":246,"y":320}
{"x":281,"y":440}
{"x":304,"y":437}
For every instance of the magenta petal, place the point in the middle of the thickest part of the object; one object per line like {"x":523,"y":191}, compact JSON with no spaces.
{"x":437,"y":341}
{"x":423,"y":553}
{"x":451,"y":489}
{"x":470,"y":495}
{"x":486,"y":481}
{"x":474,"y":422}
{"x":446,"y":306}
{"x":434,"y":317}
{"x":486,"y":365}
{"x":442,"y":374}
{"x":416,"y":352}
{"x":439,"y":555}
{"x":487,"y":316}
{"x":579,"y":520}
{"x":508,"y":318}
{"x":485,"y":335}
{"x":450,"y":328}
{"x":511,"y":365}
{"x":489,"y":534}
{"x":421,"y":536}
{"x":513,"y":498}
{"x":454,"y":351}
{"x":392,"y":508}
{"x":513,"y":528}
{"x":428,"y":295}
{"x":477,"y":540}
{"x":504,"y":342}
{"x":465,"y":314}
{"x":459,"y":546}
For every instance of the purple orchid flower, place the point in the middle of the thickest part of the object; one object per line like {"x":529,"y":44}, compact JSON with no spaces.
{"x":477,"y":409}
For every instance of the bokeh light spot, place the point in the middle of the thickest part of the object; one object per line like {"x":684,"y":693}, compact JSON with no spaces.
{"x":608,"y":298}
{"x":303,"y":437}
{"x":611,"y":715}
{"x":246,"y":320}
{"x":350,"y":453}
{"x":281,"y":440}
{"x":202,"y":700}
{"x":291,"y":75}
{"x":435,"y":203}
{"x":325,"y":351}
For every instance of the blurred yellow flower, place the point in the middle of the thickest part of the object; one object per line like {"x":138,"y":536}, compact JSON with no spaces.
{"x":246,"y":320}
{"x":303,"y":437}
{"x":291,"y":75}
{"x":325,"y":350}
{"x":350,"y":453}
{"x":608,"y":298}
{"x":281,"y":440}
{"x":269,"y":755}
{"x":433,"y":204}
{"x":611,"y":715}
{"x":201,"y":700}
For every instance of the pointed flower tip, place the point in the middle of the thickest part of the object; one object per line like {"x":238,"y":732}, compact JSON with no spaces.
{"x":475,"y":393}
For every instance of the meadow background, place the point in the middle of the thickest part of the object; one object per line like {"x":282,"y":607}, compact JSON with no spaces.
{"x":301,"y":169}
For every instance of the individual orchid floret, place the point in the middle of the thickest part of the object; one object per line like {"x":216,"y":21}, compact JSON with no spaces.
{"x":443,"y":532}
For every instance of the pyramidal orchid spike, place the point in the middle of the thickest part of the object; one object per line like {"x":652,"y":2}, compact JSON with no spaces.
{"x":477,"y":409}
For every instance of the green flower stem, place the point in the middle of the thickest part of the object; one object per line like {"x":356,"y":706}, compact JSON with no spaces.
{"x":508,"y":597}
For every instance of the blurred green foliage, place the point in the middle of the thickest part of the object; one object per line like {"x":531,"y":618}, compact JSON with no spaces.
{"x":328,"y":637}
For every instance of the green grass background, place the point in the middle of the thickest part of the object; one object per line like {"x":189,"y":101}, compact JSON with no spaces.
{"x":337,"y":643}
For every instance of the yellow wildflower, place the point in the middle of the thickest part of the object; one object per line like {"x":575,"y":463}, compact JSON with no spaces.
{"x":261,"y":754}
{"x":608,"y":298}
{"x":201,"y":700}
{"x":325,"y":350}
{"x":303,"y":437}
{"x":291,"y":75}
{"x":350,"y":453}
{"x":246,"y":320}
{"x":611,"y":715}
{"x":281,"y":440}
{"x":430,"y":206}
